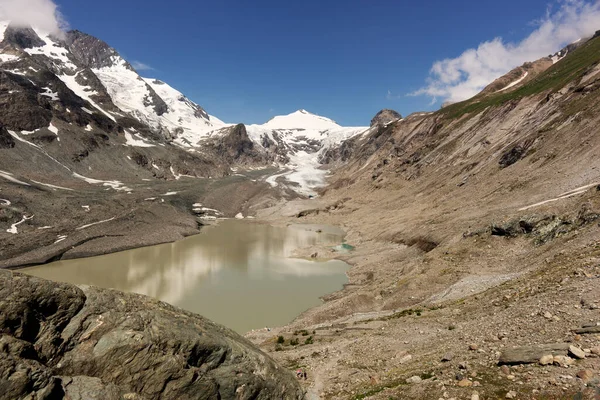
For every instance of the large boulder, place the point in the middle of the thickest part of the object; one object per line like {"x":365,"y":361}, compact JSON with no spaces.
{"x":62,"y":341}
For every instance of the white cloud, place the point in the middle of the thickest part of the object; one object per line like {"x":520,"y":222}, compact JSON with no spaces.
{"x":391,"y":96}
{"x":463,"y":77}
{"x":41,"y":14}
{"x":140,"y":66}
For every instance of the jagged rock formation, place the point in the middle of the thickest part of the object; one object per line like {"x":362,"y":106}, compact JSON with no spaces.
{"x":78,"y":104}
{"x":236,"y":147}
{"x":61,"y":341}
{"x":367,"y":142}
{"x":83,"y":74}
{"x":91,"y":52}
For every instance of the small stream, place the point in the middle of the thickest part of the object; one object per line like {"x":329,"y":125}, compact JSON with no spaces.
{"x":237,"y":273}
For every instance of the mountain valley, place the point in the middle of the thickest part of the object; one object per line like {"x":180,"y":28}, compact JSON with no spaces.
{"x":473,"y":232}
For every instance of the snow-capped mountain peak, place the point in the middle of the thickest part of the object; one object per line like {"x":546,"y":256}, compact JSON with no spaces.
{"x":96,"y":73}
{"x":90,"y":85}
{"x":301,"y":119}
{"x":298,"y":139}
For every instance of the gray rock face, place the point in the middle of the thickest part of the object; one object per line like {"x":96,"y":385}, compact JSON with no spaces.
{"x":341,"y":153}
{"x":24,"y":38}
{"x":236,"y":146}
{"x":59,"y":340}
{"x":384,"y":117}
{"x":237,"y":142}
{"x":155,"y":101}
{"x":24,"y":109}
{"x":24,"y":104}
{"x":198,"y":111}
{"x":89,"y":51}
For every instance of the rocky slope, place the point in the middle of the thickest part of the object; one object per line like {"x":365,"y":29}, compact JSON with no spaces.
{"x":60,"y":341}
{"x":476,"y":246}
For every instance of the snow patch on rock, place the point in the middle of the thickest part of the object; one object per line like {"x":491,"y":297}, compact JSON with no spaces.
{"x":10,"y":177}
{"x":84,"y":92}
{"x":13,"y":228}
{"x":515,"y":83}
{"x":51,"y":186}
{"x":94,"y":223}
{"x":135,"y":141}
{"x":183,"y":116}
{"x":49,"y":93}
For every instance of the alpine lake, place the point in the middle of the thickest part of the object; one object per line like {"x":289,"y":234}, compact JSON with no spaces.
{"x":238,"y":273}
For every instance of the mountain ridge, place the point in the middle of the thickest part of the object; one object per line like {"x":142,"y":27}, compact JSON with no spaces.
{"x":144,"y":112}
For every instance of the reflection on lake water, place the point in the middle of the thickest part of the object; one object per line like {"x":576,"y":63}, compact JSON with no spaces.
{"x":237,"y":273}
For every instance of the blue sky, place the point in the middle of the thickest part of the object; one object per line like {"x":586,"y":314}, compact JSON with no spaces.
{"x":246,"y":61}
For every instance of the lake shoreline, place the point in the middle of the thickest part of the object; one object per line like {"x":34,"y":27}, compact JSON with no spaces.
{"x":114,"y":244}
{"x":238,"y":267}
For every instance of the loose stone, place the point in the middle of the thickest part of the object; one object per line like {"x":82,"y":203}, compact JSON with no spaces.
{"x":576,"y":352}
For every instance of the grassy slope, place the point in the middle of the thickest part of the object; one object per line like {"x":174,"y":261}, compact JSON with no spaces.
{"x":572,"y":67}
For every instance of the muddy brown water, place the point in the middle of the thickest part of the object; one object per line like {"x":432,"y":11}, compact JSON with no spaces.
{"x":237,"y":273}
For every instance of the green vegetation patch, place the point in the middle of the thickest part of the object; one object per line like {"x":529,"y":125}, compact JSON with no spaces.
{"x":572,"y":67}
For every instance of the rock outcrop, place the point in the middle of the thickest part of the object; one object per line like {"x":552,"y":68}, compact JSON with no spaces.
{"x":25,"y":38}
{"x":62,"y":341}
{"x":385,"y":116}
{"x":89,"y":51}
{"x":236,"y":147}
{"x":6,"y":141}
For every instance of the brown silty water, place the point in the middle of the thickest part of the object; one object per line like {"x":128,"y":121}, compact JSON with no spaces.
{"x":237,"y":273}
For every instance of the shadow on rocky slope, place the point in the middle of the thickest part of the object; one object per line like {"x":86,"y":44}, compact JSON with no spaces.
{"x":60,"y":341}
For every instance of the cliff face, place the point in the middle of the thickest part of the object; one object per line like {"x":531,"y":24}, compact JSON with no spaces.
{"x":235,"y":147}
{"x":62,"y":341}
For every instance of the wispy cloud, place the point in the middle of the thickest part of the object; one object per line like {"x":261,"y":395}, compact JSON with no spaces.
{"x":391,"y":96}
{"x":140,"y":66}
{"x":41,"y":14}
{"x":460,"y":78}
